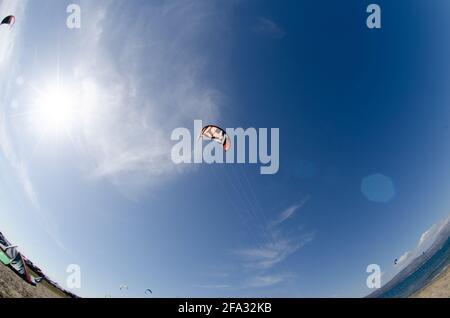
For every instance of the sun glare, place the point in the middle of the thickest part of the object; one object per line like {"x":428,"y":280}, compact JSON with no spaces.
{"x":61,"y":111}
{"x":55,"y":110}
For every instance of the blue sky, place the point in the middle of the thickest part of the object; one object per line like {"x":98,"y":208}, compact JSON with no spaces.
{"x":352,"y":104}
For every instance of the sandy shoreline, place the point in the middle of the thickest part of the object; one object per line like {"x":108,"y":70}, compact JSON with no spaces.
{"x":438,"y":288}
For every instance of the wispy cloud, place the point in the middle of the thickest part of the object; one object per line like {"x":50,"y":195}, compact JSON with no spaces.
{"x":260,"y":262}
{"x":266,"y":26}
{"x":280,"y":245}
{"x":256,"y":266}
{"x":273,"y":252}
{"x":8,"y":38}
{"x":18,"y":166}
{"x":289,"y":212}
{"x":27,"y":185}
{"x":21,"y":170}
{"x":403,"y":259}
{"x":7,"y":45}
{"x":265,"y":281}
{"x":218,"y":286}
{"x":142,"y":89}
{"x":251,"y":282}
{"x":426,"y":239}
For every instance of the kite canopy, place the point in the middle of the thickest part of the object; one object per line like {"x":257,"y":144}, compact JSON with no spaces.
{"x":212,"y":132}
{"x":148,"y":291}
{"x":4,"y":259}
{"x":10,"y":20}
{"x":12,"y":257}
{"x":4,"y":243}
{"x":18,"y":264}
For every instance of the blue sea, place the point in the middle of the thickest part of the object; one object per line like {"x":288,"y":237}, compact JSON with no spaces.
{"x":425,"y":274}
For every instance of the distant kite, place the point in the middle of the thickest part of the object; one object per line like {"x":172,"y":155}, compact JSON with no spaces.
{"x":123,"y":287}
{"x":147,"y":291}
{"x":10,"y":20}
{"x":212,"y":132}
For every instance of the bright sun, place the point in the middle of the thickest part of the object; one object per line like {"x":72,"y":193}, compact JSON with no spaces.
{"x":61,"y":111}
{"x":55,"y":110}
